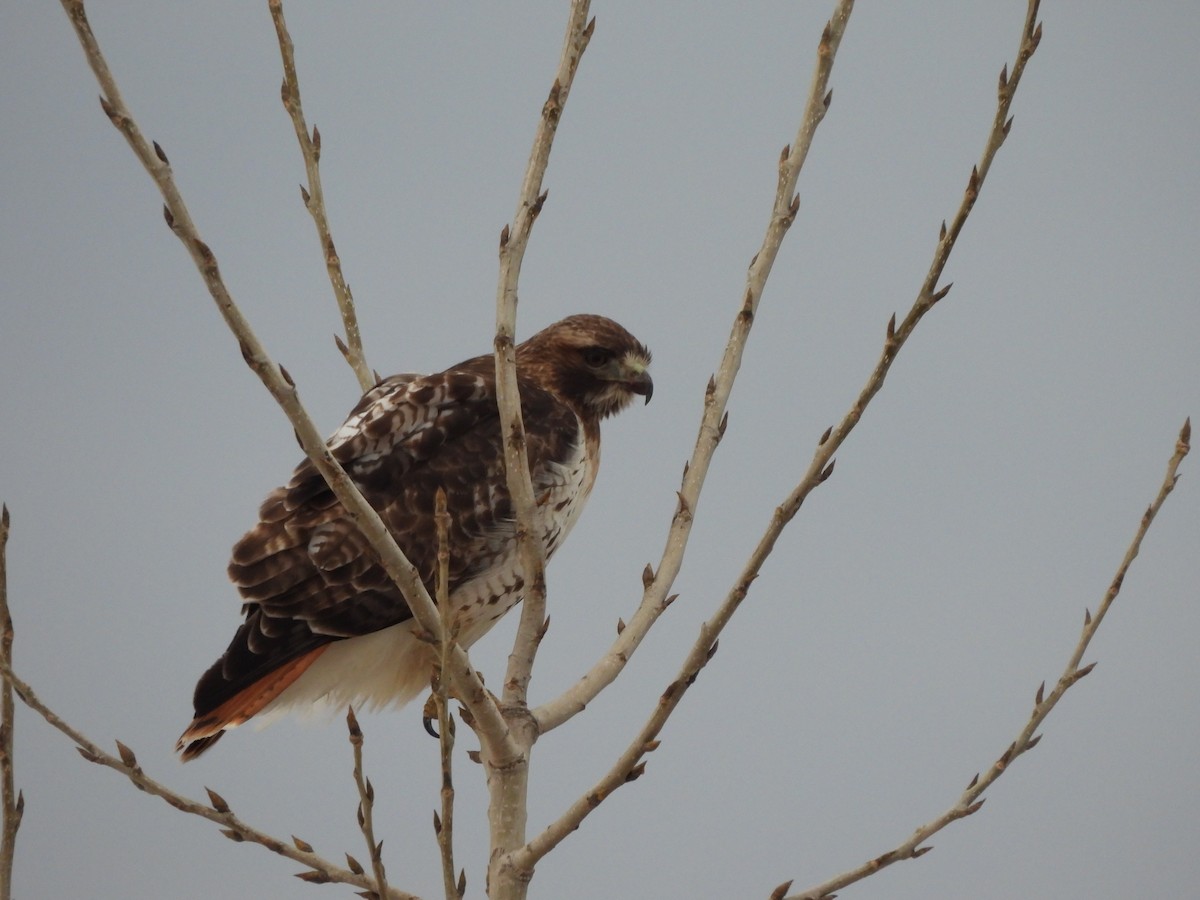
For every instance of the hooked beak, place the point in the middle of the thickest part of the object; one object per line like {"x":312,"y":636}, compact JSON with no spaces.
{"x":641,"y":383}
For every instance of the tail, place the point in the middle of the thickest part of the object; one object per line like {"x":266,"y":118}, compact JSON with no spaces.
{"x":206,"y":728}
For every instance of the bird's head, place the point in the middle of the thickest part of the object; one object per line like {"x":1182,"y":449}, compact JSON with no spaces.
{"x":591,"y":362}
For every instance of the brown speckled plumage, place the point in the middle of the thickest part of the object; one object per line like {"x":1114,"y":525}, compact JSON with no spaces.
{"x":310,"y":581}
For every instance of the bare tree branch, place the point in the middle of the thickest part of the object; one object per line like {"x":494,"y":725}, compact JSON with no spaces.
{"x":314,"y":202}
{"x":972,"y":798}
{"x":508,"y":780}
{"x":366,"y":809}
{"x":13,"y":802}
{"x":490,"y":722}
{"x":513,"y":241}
{"x":443,"y":825}
{"x":217,"y":810}
{"x":655,"y":598}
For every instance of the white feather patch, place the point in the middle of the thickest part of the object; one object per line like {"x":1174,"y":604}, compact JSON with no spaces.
{"x":385,"y":668}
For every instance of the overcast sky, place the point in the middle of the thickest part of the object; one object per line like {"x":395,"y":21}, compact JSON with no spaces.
{"x":894,"y":643}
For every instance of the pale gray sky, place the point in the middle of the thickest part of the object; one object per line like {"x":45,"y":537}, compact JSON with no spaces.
{"x":891,"y":648}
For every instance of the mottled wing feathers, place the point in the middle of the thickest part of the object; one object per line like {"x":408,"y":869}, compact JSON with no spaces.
{"x":320,"y":613}
{"x":307,"y":574}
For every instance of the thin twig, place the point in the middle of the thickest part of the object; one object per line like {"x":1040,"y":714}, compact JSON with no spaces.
{"x":13,"y":801}
{"x":513,"y":241}
{"x":972,"y":798}
{"x":470,"y":689}
{"x":314,"y":202}
{"x":217,"y":810}
{"x":443,"y":825}
{"x":656,"y":597}
{"x":366,"y":809}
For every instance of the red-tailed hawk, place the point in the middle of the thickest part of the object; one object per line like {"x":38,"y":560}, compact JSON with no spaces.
{"x":323,"y":622}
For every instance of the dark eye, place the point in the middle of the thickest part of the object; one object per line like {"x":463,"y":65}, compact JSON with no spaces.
{"x":595,"y":357}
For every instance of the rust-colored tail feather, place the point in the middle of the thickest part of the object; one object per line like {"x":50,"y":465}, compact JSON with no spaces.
{"x":206,"y":730}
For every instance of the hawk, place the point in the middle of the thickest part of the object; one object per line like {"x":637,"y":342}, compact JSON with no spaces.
{"x":323,"y":623}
